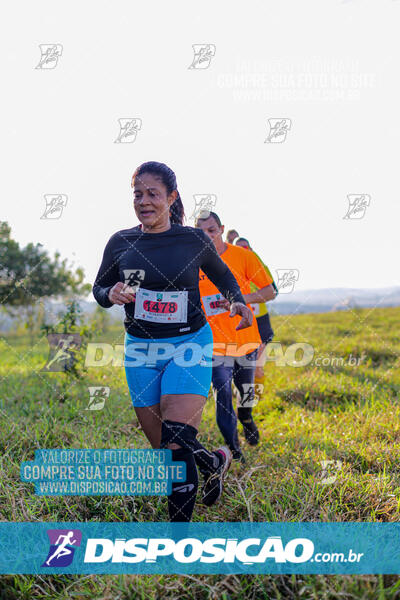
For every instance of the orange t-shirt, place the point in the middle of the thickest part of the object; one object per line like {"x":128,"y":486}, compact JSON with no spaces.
{"x":245,"y":267}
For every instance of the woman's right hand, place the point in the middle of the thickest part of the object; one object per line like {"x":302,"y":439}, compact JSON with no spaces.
{"x":237,"y":308}
{"x":121,"y":294}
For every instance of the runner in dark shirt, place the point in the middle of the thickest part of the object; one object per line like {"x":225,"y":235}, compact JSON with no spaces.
{"x":167,"y":261}
{"x":153,"y":270}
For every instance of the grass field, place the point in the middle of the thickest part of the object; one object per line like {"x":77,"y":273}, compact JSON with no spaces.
{"x":341,"y":412}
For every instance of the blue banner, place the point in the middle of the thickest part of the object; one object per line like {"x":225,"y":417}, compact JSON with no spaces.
{"x":155,"y":548}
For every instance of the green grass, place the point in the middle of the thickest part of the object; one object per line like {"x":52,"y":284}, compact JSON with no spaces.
{"x":306,"y":415}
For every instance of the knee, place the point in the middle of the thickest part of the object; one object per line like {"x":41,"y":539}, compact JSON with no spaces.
{"x":175,"y":435}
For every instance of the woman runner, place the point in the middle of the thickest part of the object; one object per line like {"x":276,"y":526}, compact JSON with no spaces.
{"x":152,"y":270}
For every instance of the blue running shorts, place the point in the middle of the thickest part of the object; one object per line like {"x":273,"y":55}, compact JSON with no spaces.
{"x":174,"y":365}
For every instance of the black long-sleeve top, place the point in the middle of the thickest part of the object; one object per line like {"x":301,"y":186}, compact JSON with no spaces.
{"x":163,"y":262}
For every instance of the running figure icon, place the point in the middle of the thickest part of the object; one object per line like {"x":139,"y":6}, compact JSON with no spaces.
{"x":62,"y":550}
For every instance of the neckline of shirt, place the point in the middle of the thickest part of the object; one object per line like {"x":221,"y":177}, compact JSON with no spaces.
{"x":139,"y":229}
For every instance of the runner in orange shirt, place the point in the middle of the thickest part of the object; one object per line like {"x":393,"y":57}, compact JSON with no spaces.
{"x":234,"y":352}
{"x":262,"y":317}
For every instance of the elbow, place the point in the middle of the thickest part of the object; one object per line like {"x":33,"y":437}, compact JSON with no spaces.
{"x":101,"y":297}
{"x":271,"y":294}
{"x":95,"y":292}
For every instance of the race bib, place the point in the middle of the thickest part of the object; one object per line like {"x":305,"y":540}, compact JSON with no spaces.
{"x":212,"y":304}
{"x":256,"y":309}
{"x":161,"y":307}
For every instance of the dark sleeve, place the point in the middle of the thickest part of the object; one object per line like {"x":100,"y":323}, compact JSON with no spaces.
{"x":218,"y":272}
{"x":107,"y":276}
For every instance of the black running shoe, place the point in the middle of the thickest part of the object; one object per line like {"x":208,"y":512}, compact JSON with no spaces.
{"x":213,"y":486}
{"x":251,"y":432}
{"x":238,"y":456}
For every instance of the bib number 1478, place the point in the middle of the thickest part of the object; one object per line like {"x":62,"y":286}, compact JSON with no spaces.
{"x":160,"y":307}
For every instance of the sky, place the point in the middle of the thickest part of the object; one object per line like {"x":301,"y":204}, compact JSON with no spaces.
{"x":326,"y":70}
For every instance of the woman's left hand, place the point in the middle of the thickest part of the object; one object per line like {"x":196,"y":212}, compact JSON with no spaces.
{"x":237,"y":308}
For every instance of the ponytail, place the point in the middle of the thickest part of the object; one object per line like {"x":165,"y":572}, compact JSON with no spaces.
{"x":177,"y":212}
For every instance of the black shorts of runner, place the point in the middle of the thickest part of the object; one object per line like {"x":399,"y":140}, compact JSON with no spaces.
{"x":265,"y":329}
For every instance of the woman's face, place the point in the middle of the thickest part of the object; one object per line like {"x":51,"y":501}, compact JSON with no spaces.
{"x":242,"y":244}
{"x":151,"y":201}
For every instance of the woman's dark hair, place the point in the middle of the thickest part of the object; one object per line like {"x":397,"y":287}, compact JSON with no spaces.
{"x":167,"y":176}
